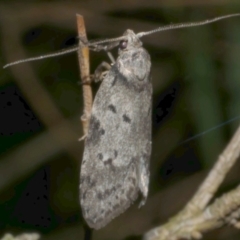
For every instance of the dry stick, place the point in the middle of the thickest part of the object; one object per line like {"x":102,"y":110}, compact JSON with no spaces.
{"x":83,"y":57}
{"x":224,"y":210}
{"x":177,"y":225}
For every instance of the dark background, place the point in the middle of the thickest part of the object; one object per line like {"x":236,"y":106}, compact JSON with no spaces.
{"x":196,"y":80}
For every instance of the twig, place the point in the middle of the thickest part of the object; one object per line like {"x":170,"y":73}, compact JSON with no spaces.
{"x":224,"y":210}
{"x":195,"y":218}
{"x":83,"y":56}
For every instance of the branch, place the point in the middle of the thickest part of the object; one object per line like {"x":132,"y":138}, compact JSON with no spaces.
{"x":83,"y":56}
{"x":224,"y":210}
{"x":196,"y":218}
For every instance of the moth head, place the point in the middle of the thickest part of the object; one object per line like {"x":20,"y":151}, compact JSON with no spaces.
{"x":130,"y":40}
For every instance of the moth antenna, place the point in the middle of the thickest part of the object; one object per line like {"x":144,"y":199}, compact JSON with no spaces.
{"x":141,"y":34}
{"x":187,"y":25}
{"x":165,"y":28}
{"x":92,"y":43}
{"x":65,"y":51}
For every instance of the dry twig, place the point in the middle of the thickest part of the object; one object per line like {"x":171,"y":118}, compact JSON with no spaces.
{"x":196,"y":218}
{"x":83,"y":56}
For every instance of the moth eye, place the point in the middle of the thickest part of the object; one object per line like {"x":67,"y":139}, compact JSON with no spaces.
{"x":123,"y":44}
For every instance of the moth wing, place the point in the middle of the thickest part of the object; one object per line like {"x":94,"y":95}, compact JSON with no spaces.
{"x":117,"y":149}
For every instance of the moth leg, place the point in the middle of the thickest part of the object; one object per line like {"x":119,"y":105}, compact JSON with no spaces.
{"x":82,"y":138}
{"x":101,"y":71}
{"x":99,"y":74}
{"x":111,"y":57}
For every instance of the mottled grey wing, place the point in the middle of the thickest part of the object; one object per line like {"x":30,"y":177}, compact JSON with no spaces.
{"x":118,"y":145}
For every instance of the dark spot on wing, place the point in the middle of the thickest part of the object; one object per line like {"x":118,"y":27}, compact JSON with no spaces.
{"x":95,"y":123}
{"x":95,"y":131}
{"x":100,"y":156}
{"x":112,"y":108}
{"x":109,"y":161}
{"x":100,"y":196}
{"x":107,"y":192}
{"x":115,"y":153}
{"x":126,"y":118}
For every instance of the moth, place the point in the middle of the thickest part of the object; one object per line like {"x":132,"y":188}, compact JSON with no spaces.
{"x":115,"y":164}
